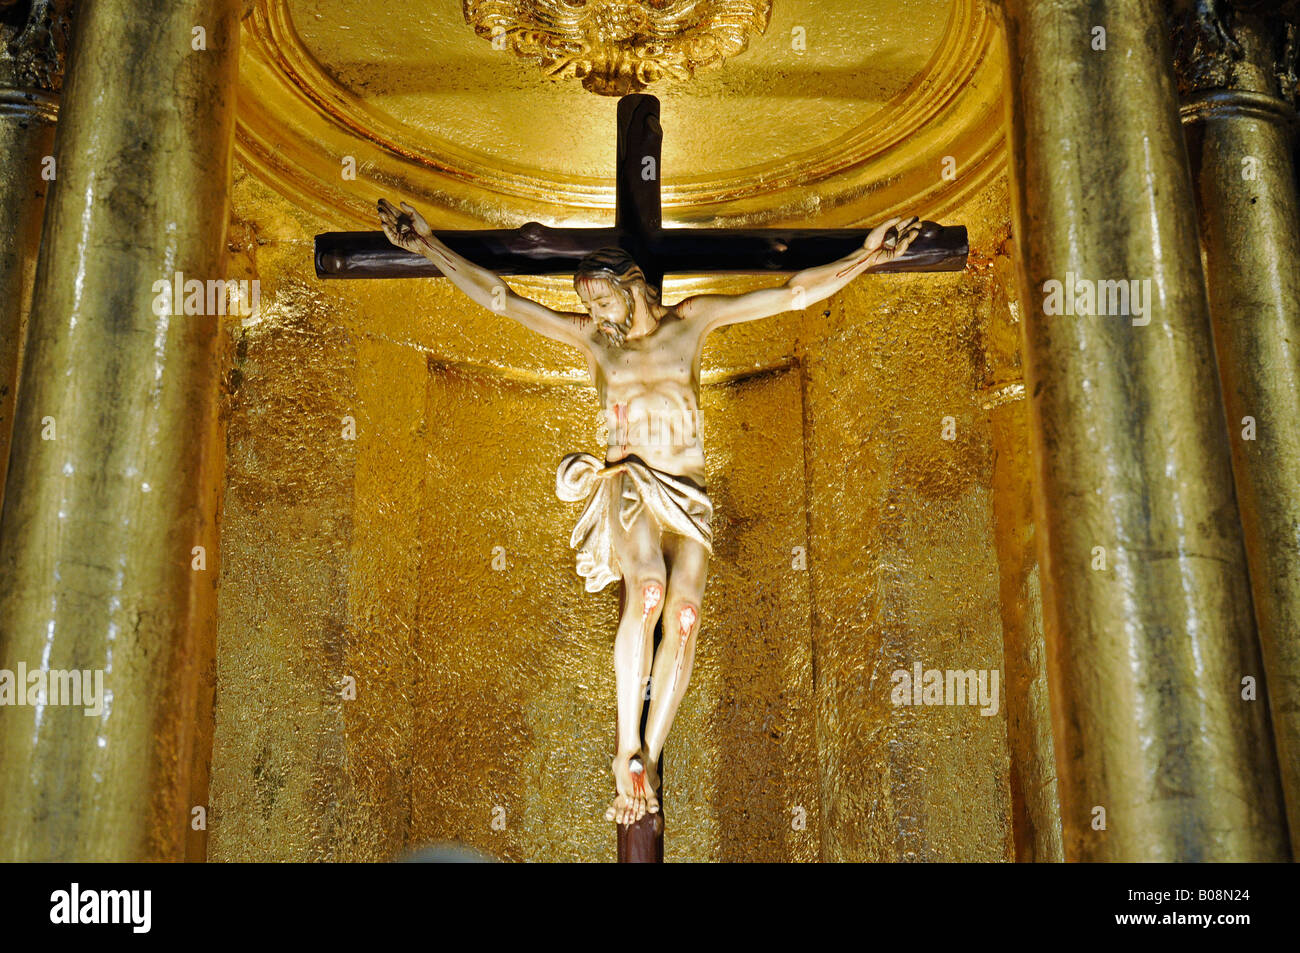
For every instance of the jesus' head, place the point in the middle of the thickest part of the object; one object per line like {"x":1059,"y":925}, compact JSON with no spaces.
{"x":612,"y":285}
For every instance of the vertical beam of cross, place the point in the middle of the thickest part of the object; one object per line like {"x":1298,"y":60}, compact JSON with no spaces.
{"x":638,"y":209}
{"x":638,"y":216}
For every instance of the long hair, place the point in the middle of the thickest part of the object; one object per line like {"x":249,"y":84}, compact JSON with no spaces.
{"x":618,"y":268}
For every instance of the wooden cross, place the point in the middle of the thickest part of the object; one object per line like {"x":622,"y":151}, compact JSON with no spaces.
{"x":536,"y":249}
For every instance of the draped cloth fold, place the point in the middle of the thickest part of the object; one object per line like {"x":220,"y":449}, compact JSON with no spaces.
{"x":622,"y":494}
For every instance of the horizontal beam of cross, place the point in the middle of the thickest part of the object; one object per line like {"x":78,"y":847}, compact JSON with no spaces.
{"x":535,"y":249}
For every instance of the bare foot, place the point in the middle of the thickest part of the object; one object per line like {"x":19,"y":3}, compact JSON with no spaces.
{"x":618,"y":809}
{"x":651,"y":785}
{"x":639,"y":789}
{"x":629,"y":780}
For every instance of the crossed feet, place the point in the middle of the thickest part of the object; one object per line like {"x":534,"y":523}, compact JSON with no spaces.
{"x":636,"y":780}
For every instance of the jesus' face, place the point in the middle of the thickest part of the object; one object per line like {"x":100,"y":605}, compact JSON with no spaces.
{"x":610,"y":306}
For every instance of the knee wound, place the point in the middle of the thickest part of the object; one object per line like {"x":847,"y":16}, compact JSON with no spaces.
{"x":651,"y":594}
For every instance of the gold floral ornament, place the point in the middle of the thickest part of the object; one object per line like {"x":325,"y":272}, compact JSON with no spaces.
{"x":620,"y":46}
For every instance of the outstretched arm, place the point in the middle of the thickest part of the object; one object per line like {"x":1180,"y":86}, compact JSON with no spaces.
{"x":806,"y":287}
{"x":408,"y":230}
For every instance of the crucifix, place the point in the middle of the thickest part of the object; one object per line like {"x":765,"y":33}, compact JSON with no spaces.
{"x":645,"y":522}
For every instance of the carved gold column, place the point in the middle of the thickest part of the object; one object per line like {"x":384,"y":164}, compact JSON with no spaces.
{"x":1147,"y":604}
{"x":1240,"y":130}
{"x":31,"y":72}
{"x":114,"y":469}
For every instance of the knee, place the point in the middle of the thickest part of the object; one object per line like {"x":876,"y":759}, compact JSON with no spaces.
{"x":647,"y":596}
{"x":652,"y":593}
{"x":686,"y":616}
{"x":683,"y":619}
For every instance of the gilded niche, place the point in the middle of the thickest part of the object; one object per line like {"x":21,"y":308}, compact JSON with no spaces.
{"x":620,"y":46}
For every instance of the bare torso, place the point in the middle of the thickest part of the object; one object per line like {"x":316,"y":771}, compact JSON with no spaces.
{"x":648,"y":389}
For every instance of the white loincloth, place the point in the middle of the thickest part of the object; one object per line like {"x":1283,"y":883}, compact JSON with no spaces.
{"x":679,"y":506}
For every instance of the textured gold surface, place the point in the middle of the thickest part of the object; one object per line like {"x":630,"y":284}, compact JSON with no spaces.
{"x":99,"y":523}
{"x":904,"y":562}
{"x":31,"y":73}
{"x":1241,"y":151}
{"x":1147,"y":654}
{"x":616,"y":47}
{"x":1036,"y":803}
{"x":26,"y":137}
{"x":487,"y":693}
{"x":856,"y":127}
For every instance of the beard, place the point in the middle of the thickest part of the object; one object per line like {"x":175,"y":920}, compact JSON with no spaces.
{"x":618,"y":332}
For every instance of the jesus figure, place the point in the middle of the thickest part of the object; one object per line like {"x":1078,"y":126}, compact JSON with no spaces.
{"x":647,"y":515}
